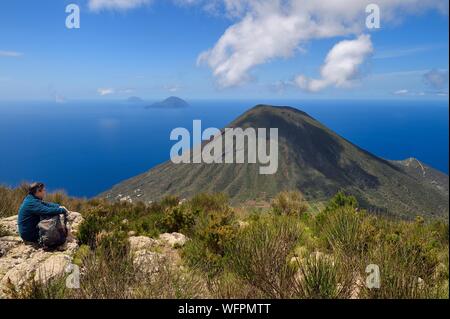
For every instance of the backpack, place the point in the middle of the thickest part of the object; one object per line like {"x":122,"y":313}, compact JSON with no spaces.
{"x":52,"y":233}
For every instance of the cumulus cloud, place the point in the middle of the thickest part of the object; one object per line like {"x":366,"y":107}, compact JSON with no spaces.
{"x":98,"y":5}
{"x":436,"y":79}
{"x":341,"y":65}
{"x":105,"y":91}
{"x":267,"y":30}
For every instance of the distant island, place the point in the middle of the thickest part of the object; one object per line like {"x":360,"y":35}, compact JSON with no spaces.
{"x":172,"y":102}
{"x":135,"y":100}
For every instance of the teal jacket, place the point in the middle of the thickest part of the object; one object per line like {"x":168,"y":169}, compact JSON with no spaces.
{"x":31,"y":212}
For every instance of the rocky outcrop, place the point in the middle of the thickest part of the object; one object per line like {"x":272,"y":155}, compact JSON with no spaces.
{"x":21,"y":263}
{"x":149,"y":254}
{"x":173,"y":239}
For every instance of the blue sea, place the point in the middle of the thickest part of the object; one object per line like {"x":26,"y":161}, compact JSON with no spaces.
{"x":86,"y":147}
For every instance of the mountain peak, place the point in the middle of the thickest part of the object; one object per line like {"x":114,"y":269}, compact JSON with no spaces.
{"x":265,"y":111}
{"x":275,"y":108}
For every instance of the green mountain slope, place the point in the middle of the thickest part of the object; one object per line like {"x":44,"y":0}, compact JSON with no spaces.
{"x":312,"y":159}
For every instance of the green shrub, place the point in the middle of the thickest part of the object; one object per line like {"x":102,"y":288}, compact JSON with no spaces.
{"x":343,"y":231}
{"x":322,"y":277}
{"x":82,"y":253}
{"x":205,"y":202}
{"x":441,"y":231}
{"x":230,"y":286}
{"x":259,"y":255}
{"x":91,"y":226}
{"x":211,"y":232}
{"x":176,"y":219}
{"x":112,"y":244}
{"x":406,"y":271}
{"x":123,"y":217}
{"x":216,"y":229}
{"x":198,"y":256}
{"x":341,"y":200}
{"x":170,"y":283}
{"x":54,"y":288}
{"x":169,"y":202}
{"x":106,"y":274}
{"x":289,"y":203}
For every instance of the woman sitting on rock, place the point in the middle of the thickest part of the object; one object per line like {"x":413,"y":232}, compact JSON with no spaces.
{"x":33,"y":210}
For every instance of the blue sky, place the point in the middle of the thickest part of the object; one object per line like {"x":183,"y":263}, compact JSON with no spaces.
{"x":153,"y":49}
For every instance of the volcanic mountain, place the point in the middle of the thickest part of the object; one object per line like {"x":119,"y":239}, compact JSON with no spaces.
{"x":172,"y":102}
{"x":312,"y":159}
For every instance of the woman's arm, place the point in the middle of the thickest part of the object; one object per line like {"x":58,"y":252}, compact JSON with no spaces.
{"x":50,"y":204}
{"x":40,"y":208}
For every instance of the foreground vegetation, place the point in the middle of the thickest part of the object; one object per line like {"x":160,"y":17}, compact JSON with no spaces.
{"x":286,"y":251}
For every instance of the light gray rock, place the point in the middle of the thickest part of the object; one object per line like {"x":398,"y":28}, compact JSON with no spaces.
{"x":150,"y":254}
{"x":10,"y":224}
{"x":142,"y":243}
{"x":74,"y":221}
{"x":173,"y":239}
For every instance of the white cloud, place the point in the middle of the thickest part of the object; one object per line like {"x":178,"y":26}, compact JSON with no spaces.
{"x":341,"y":65}
{"x":401,"y":92}
{"x":110,"y":91}
{"x":105,"y":91}
{"x":249,"y":43}
{"x":172,"y":88}
{"x":402,"y":52}
{"x":10,"y":54}
{"x":126,"y":91}
{"x":409,"y":93}
{"x":98,"y":5}
{"x":267,"y":30}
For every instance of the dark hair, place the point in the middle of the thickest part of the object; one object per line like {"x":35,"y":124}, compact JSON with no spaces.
{"x":35,"y":187}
